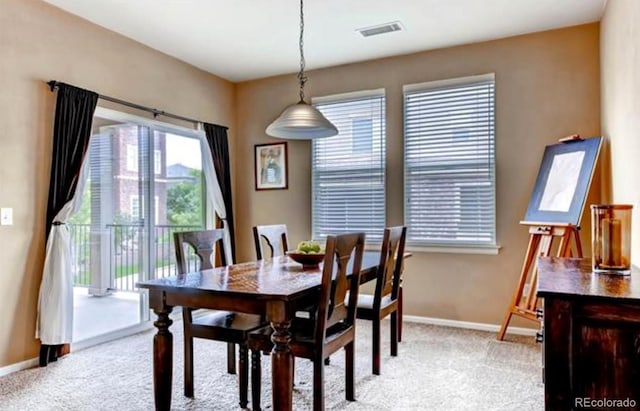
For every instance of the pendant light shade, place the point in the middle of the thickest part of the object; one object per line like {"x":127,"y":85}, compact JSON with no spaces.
{"x":301,"y":121}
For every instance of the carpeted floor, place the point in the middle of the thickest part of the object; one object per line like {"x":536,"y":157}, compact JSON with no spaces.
{"x":438,"y":368}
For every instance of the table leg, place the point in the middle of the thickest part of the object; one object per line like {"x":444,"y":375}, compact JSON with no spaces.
{"x":399,"y":315}
{"x":162,"y":359}
{"x":281,"y":366}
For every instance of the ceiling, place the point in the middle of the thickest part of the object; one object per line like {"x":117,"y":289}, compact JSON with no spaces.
{"x":247,"y":39}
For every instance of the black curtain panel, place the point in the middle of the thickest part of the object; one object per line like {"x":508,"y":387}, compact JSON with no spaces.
{"x":219,"y":144}
{"x":71,"y":133}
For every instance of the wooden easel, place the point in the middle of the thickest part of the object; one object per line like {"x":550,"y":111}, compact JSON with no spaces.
{"x":541,"y":239}
{"x":542,"y":234}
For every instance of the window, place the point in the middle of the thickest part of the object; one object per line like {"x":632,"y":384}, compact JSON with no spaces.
{"x":157,"y":162}
{"x":362,"y":130}
{"x":132,"y":157}
{"x":449,"y":144}
{"x":134,"y":202}
{"x":348,"y":170}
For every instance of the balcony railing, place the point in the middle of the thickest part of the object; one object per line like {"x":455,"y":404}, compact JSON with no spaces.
{"x":126,"y":246}
{"x":81,"y":254}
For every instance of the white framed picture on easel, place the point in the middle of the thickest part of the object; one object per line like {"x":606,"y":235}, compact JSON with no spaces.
{"x":563,"y":181}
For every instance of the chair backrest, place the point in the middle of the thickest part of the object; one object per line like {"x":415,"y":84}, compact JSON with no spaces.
{"x":390,"y":266}
{"x":275,"y":237}
{"x":203,"y":243}
{"x":336,"y":281}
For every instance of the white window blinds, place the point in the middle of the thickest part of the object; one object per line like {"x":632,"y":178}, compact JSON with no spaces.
{"x":348,"y":170}
{"x":449,"y":141}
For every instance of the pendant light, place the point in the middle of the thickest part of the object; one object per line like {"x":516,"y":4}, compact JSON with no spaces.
{"x":301,"y":121}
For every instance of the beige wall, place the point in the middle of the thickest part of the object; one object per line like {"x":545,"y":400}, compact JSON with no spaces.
{"x":620,"y":87}
{"x":547,"y":86}
{"x":37,"y":43}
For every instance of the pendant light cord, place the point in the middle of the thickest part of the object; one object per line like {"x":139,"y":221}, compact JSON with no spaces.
{"x":301,"y":77}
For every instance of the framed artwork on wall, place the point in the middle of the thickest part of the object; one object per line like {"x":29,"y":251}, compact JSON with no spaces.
{"x":563,"y":182}
{"x":271,"y":166}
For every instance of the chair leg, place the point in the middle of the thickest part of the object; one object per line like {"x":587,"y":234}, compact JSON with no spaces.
{"x":231,"y":358}
{"x":394,"y":333}
{"x":188,"y":366}
{"x":318,"y":384}
{"x":256,"y":377}
{"x":349,"y":371}
{"x":375,"y":352}
{"x":400,"y":314}
{"x":243,"y":375}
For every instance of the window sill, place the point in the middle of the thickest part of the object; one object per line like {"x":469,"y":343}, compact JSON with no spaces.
{"x":489,"y":250}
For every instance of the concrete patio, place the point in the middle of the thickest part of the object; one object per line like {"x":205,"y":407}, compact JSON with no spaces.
{"x":95,"y":316}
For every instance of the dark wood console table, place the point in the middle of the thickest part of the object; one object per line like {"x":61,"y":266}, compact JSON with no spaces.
{"x":591,"y":336}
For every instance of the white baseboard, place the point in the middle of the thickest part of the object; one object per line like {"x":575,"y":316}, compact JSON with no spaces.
{"x":81,"y":345}
{"x":18,"y":366}
{"x":467,"y":324}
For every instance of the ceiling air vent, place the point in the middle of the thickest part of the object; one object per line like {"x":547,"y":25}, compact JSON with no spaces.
{"x":380,"y":29}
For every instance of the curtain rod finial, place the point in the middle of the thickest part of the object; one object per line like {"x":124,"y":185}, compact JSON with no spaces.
{"x":52,"y":84}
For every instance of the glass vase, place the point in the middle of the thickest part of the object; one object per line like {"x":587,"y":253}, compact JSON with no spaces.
{"x":611,"y":238}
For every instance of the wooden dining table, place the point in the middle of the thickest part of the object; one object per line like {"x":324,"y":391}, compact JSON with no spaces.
{"x":274,"y":288}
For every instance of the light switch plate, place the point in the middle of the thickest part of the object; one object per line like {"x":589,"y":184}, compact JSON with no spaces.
{"x":6,"y":216}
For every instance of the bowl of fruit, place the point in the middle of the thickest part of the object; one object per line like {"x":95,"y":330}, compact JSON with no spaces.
{"x":308,"y":253}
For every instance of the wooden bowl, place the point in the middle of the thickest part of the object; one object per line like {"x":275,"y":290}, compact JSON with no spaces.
{"x":307,"y":260}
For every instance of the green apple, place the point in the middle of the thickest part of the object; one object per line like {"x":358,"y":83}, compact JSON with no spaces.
{"x":309,"y":247}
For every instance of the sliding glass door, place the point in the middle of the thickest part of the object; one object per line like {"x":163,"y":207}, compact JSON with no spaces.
{"x":145,"y":183}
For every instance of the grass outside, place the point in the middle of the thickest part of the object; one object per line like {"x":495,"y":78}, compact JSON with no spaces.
{"x":83,"y":278}
{"x":128,"y":269}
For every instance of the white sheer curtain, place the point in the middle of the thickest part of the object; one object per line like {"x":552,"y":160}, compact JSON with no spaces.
{"x":214,"y":193}
{"x":54,"y":324}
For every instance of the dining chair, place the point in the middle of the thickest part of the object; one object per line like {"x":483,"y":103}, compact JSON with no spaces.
{"x":229,"y":327}
{"x":334,"y":323}
{"x":385,"y":300}
{"x":274,"y":235}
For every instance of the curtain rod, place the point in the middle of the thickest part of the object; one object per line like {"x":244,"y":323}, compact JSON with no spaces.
{"x":53,"y":84}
